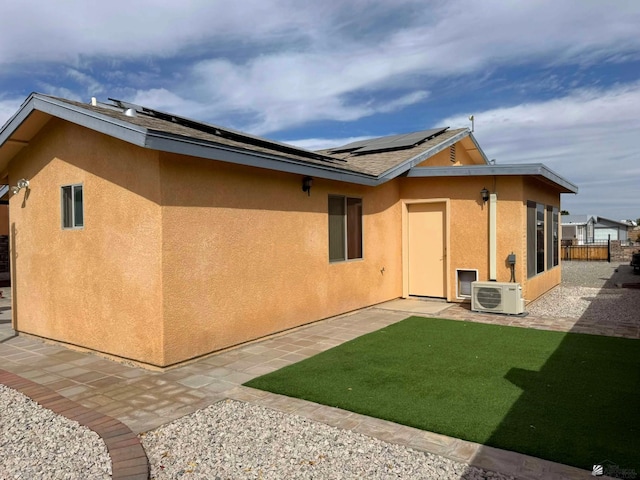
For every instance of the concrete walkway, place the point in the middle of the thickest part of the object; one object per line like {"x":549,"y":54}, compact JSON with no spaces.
{"x":143,"y":400}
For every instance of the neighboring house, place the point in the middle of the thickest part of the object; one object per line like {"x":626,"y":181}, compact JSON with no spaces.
{"x":607,"y":229}
{"x":577,"y":228}
{"x":158,"y":239}
{"x":586,"y":229}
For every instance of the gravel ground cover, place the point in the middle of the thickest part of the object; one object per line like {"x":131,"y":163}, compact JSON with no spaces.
{"x":233,"y":439}
{"x":36,"y":443}
{"x":589,"y":292}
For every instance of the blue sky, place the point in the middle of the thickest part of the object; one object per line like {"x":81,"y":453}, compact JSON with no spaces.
{"x":554,"y":82}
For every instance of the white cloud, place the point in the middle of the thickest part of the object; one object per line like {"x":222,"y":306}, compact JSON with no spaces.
{"x":40,"y":30}
{"x":323,"y":143}
{"x":268,"y":65}
{"x":457,"y":35}
{"x":344,"y":78}
{"x":589,"y":137}
{"x":8,"y":107}
{"x":276,"y":64}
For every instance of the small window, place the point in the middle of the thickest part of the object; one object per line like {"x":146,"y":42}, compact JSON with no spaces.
{"x":72,"y":207}
{"x":345,"y":228}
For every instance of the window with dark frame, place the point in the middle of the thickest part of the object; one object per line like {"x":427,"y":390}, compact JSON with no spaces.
{"x":72,"y":206}
{"x":539,"y":238}
{"x":540,"y":243}
{"x":556,"y":236}
{"x":345,"y":228}
{"x":552,"y":237}
{"x":531,"y":239}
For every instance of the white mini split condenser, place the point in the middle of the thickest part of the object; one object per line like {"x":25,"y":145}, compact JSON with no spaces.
{"x":497,"y":297}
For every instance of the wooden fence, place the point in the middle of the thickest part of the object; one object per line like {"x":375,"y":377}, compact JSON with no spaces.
{"x":599,"y":251}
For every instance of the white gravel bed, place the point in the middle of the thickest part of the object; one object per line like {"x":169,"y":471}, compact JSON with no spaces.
{"x":589,"y":291}
{"x":597,"y":274}
{"x":232,"y":439}
{"x":36,"y":443}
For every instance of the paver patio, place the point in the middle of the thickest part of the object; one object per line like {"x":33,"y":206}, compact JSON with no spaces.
{"x":143,"y":400}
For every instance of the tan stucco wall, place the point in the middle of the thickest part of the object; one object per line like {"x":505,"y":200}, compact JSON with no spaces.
{"x":443,"y":158}
{"x":539,"y":192}
{"x":98,"y":287}
{"x":245,"y":254}
{"x":469,"y":226}
{"x":182,"y":256}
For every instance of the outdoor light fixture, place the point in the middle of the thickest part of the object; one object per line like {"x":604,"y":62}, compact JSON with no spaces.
{"x":307,"y":182}
{"x":22,"y":183}
{"x":485,"y":195}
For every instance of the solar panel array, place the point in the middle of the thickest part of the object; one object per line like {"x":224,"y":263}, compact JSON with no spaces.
{"x":392,"y":142}
{"x":227,"y":133}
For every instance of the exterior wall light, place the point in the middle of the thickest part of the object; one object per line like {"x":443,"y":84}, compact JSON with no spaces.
{"x":22,"y":183}
{"x":485,"y":195}
{"x":307,"y":183}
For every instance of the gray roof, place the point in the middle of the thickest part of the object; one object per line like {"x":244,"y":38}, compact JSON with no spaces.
{"x":598,"y":221}
{"x":574,"y":219}
{"x":162,"y":131}
{"x":538,"y":170}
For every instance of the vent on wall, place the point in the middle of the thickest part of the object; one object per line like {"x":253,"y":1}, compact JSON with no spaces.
{"x":497,"y":297}
{"x":452,"y":153}
{"x":464,"y":278}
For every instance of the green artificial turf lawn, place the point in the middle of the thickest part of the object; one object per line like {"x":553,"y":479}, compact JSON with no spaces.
{"x":567,"y":397}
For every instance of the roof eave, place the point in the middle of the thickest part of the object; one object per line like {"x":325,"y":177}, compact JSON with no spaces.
{"x":421,"y":157}
{"x":530,"y":169}
{"x":95,"y":121}
{"x":157,"y":140}
{"x":477,"y":145}
{"x":200,"y":148}
{"x":162,"y":141}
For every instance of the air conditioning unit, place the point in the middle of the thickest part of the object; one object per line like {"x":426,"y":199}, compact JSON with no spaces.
{"x":497,"y":297}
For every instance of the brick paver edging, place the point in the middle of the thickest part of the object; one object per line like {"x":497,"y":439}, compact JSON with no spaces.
{"x":128,"y":458}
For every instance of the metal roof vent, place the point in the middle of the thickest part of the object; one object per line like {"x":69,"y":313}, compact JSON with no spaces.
{"x":130,"y":112}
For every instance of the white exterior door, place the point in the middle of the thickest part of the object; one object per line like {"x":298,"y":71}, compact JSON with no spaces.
{"x":427,"y":255}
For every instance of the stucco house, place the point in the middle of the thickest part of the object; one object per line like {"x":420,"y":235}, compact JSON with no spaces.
{"x":587,"y":229}
{"x":158,"y":239}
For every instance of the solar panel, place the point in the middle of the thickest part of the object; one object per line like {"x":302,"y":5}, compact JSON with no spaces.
{"x":353,"y":145}
{"x":391,"y":142}
{"x":225,"y":132}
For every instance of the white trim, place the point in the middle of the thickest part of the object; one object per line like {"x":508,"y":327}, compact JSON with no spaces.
{"x":73,"y":206}
{"x":458,"y":295}
{"x":405,"y":242}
